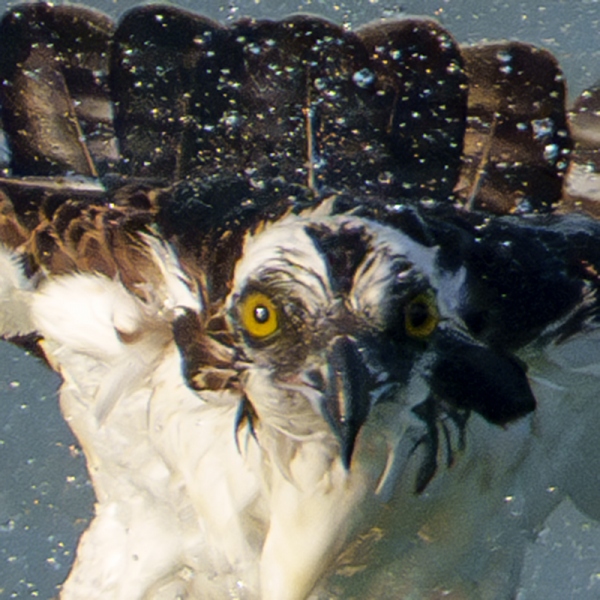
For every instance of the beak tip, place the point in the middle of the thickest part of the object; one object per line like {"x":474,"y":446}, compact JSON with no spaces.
{"x":345,"y":434}
{"x":347,"y":450}
{"x":346,"y":402}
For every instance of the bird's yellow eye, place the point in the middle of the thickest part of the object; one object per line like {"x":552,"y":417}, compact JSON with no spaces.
{"x":259,"y":315}
{"x":421,"y":316}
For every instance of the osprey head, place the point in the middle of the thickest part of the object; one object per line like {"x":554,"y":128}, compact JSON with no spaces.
{"x":338,"y":314}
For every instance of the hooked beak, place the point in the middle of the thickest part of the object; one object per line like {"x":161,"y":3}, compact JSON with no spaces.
{"x":346,"y":402}
{"x":464,"y":373}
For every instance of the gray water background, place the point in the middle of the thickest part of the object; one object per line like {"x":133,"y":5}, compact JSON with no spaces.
{"x":45,"y":497}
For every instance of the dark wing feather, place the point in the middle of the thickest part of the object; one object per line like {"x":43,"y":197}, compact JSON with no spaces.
{"x":54,"y":93}
{"x":162,"y":59}
{"x":517,"y":142}
{"x":419,"y":107}
{"x":582,"y":190}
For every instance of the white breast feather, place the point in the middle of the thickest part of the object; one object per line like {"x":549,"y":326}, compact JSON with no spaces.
{"x":148,"y":440}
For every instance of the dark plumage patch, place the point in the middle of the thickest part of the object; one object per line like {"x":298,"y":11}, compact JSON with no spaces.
{"x":343,"y":249}
{"x":524,"y":274}
{"x":206,"y":363}
{"x":470,"y":376}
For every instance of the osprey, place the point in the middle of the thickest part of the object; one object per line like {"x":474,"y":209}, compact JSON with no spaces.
{"x":321,"y":328}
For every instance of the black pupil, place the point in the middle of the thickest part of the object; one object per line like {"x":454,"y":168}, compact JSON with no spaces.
{"x":418,"y":314}
{"x":261,"y":314}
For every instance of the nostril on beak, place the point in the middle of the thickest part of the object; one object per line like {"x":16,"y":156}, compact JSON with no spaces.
{"x":315,"y":378}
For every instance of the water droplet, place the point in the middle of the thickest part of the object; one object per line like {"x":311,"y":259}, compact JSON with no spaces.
{"x":364,"y":78}
{"x":551,"y":152}
{"x":385,"y":178}
{"x":504,"y":56}
{"x":7,"y":526}
{"x":230,"y":119}
{"x":542,"y":127}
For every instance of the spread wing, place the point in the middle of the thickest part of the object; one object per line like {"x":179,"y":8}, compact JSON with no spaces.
{"x":171,"y":125}
{"x":171,"y":121}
